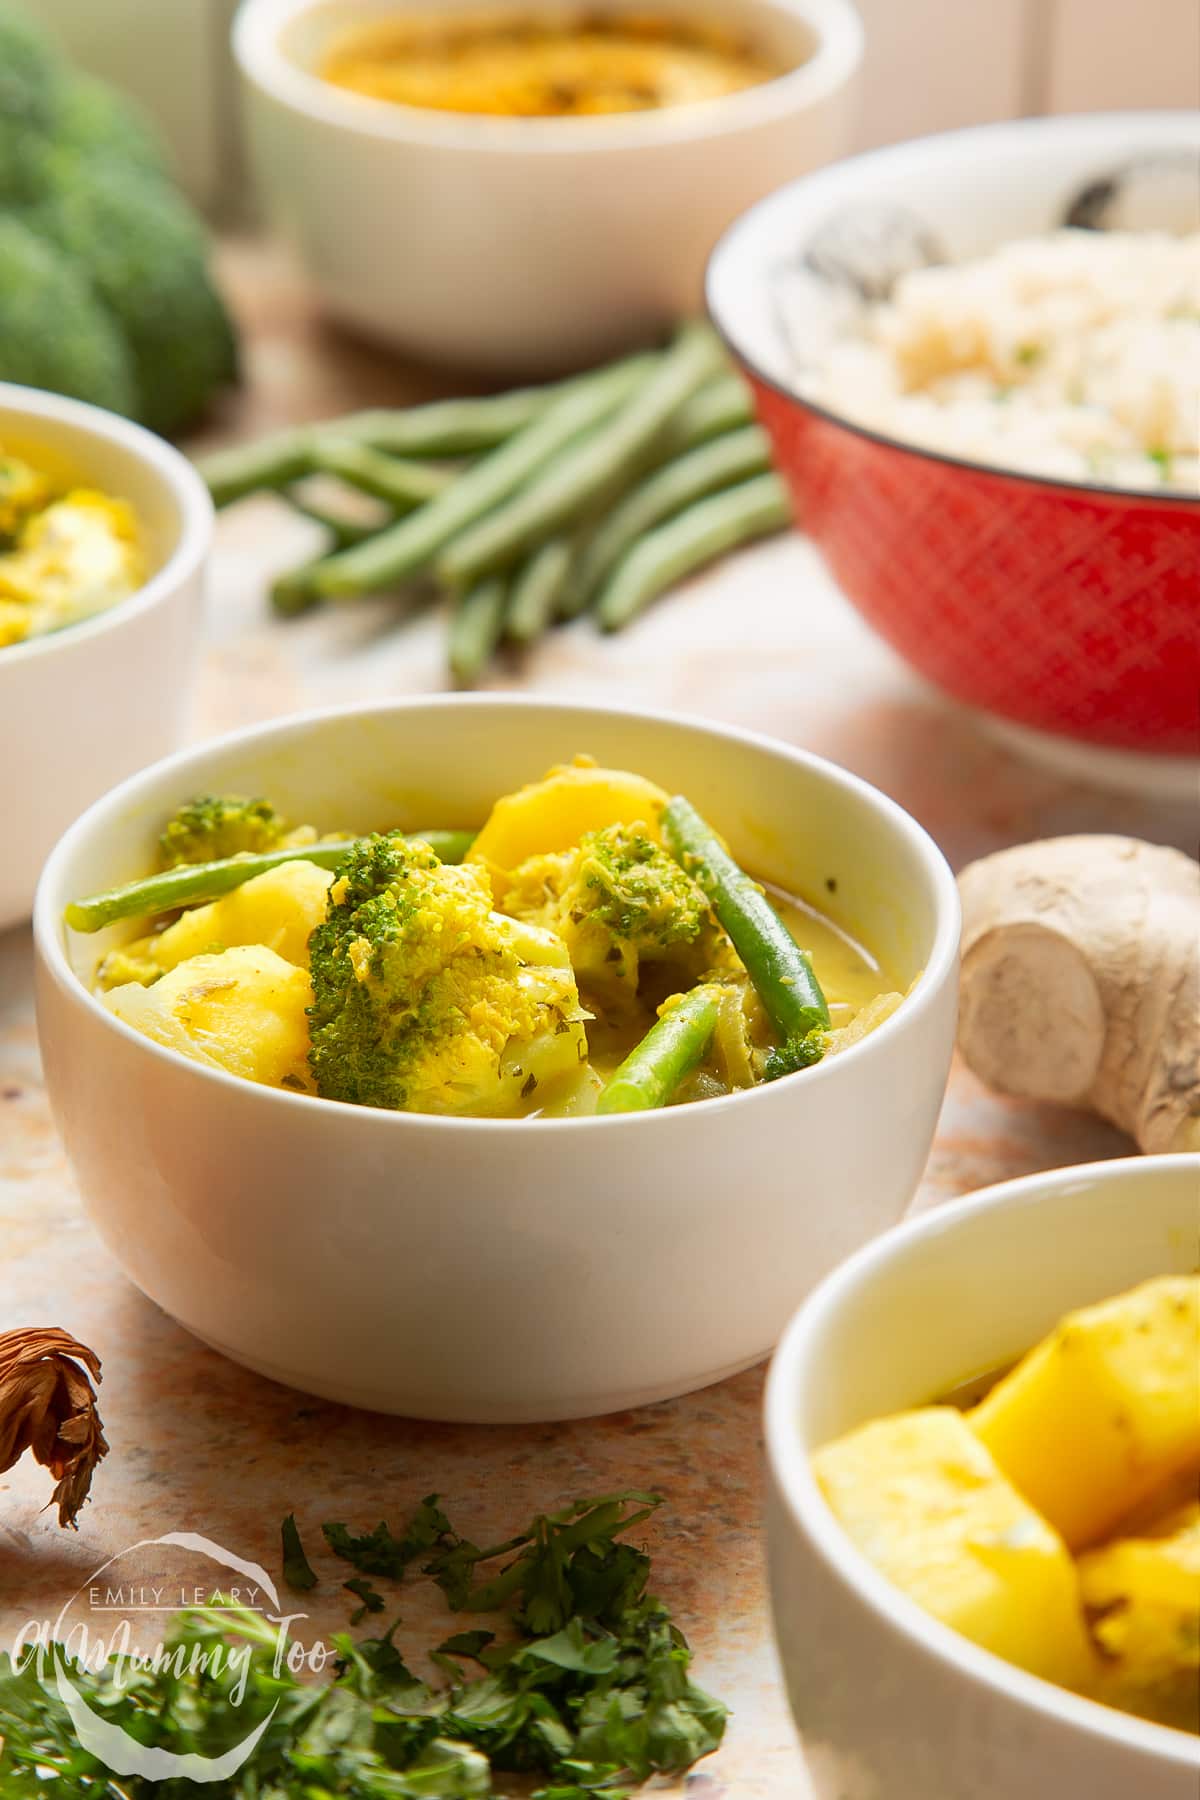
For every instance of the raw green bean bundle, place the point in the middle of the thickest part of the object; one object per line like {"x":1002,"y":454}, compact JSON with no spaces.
{"x":781,"y":973}
{"x":591,"y":471}
{"x":670,"y":1050}
{"x":190,"y":883}
{"x":411,"y":544}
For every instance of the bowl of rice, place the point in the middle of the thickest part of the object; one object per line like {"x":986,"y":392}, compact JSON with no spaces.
{"x":978,"y":359}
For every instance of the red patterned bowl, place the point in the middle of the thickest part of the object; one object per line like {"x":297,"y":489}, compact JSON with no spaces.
{"x":1070,"y":608}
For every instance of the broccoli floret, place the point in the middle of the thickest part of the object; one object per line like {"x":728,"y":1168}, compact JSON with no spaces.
{"x":146,"y":257}
{"x":213,"y":826}
{"x":620,"y":903}
{"x":30,"y":72}
{"x":801,"y":1051}
{"x":92,"y":120}
{"x":54,"y":332}
{"x":425,"y":999}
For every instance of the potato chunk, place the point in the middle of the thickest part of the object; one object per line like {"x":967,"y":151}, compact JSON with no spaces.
{"x":922,"y":1498}
{"x":278,"y":910}
{"x":1104,"y":1411}
{"x":553,"y":814}
{"x":243,"y":1010}
{"x":1145,"y":1594}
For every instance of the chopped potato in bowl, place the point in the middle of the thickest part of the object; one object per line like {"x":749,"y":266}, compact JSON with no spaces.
{"x":1056,"y":1521}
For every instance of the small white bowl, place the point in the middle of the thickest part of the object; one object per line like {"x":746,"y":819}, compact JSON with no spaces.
{"x":888,"y":1700}
{"x":526,"y":245}
{"x":83,"y":707}
{"x":489,"y":1270}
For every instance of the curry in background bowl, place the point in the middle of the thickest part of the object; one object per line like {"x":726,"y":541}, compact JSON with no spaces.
{"x":67,"y":550}
{"x":518,"y":62}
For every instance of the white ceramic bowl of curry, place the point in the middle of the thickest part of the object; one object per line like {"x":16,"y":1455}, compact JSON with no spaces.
{"x":83,"y":706}
{"x":890,"y":1701}
{"x":527,"y":245}
{"x":502,"y":1269}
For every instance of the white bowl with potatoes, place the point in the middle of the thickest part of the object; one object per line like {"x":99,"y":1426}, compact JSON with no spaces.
{"x":524,"y":1100}
{"x":104,"y":531}
{"x":983,"y":1438}
{"x":561,"y":204}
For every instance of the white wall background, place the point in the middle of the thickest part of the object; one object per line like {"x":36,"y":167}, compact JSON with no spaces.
{"x":930,"y":65}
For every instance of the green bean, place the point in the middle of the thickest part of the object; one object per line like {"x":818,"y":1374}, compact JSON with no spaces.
{"x":341,"y":529}
{"x":695,"y":537}
{"x":191,"y":883}
{"x":670,"y":1049}
{"x":476,"y":629}
{"x":441,"y":428}
{"x":403,"y":484}
{"x":291,"y":594}
{"x":412,"y":543}
{"x":781,"y":973}
{"x":721,"y":405}
{"x":536,"y":590}
{"x":589,"y":472}
{"x":704,"y":470}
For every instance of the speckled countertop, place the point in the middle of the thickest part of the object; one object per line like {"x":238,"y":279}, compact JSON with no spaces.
{"x":198,"y":1444}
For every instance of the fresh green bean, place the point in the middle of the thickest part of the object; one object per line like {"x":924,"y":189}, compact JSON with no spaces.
{"x":411,"y":544}
{"x":781,"y":973}
{"x":440,"y":428}
{"x":342,"y":530}
{"x":670,"y":1049}
{"x":721,"y":405}
{"x":404,"y":484}
{"x":291,"y":594}
{"x":536,"y":590}
{"x":476,"y":629}
{"x":695,"y":537}
{"x":590,"y":471}
{"x":190,"y":883}
{"x":704,"y":470}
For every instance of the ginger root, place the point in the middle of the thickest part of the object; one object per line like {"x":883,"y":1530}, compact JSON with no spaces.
{"x":48,"y":1405}
{"x":1081,"y":981}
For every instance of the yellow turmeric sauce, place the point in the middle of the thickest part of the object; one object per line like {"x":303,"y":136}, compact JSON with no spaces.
{"x":517,"y":65}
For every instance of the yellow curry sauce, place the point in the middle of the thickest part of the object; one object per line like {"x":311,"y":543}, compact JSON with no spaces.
{"x":517,"y":65}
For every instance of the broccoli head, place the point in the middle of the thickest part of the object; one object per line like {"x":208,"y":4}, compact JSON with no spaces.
{"x":426,"y":1000}
{"x":54,"y":331}
{"x":146,"y":258}
{"x":213,"y":826}
{"x":620,"y":903}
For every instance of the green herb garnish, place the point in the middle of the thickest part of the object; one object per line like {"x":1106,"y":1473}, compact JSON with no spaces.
{"x":585,"y":1682}
{"x":297,"y":1570}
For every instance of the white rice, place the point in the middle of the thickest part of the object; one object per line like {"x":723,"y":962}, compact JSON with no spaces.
{"x":1075,"y":355}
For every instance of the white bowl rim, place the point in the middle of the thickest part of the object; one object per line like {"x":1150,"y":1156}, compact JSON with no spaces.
{"x":950,"y":146}
{"x":810,"y":1513}
{"x":168,"y":464}
{"x":938,"y":968}
{"x":838,"y":52}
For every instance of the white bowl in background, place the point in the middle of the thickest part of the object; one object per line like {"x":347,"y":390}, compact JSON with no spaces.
{"x":889,"y":1701}
{"x":491,"y":1270}
{"x":526,"y":246}
{"x":83,"y":707}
